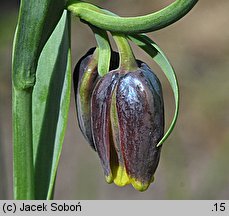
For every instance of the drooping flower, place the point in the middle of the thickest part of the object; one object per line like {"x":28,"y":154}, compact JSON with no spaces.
{"x":126,"y":123}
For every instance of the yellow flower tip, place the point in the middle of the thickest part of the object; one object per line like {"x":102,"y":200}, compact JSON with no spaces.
{"x":109,"y":179}
{"x":121,"y":178}
{"x":139,"y":185}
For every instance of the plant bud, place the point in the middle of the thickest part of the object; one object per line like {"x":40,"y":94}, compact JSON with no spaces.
{"x":85,"y":77}
{"x":127,"y":123}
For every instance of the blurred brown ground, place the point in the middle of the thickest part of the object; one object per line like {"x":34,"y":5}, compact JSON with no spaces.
{"x":194,"y":160}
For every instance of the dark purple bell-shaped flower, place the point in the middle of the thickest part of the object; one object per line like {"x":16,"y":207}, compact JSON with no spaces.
{"x":127,"y":124}
{"x":122,"y":117}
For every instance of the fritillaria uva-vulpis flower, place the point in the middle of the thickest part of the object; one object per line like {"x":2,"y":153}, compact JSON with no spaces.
{"x":122,"y":117}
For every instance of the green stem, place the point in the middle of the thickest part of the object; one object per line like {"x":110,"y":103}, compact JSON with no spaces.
{"x":127,"y":60}
{"x":23,"y":150}
{"x":105,"y":20}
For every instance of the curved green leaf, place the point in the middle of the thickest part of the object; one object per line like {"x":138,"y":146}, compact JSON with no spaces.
{"x":130,"y":25}
{"x":159,"y":57}
{"x":104,"y":50}
{"x":51,"y":98}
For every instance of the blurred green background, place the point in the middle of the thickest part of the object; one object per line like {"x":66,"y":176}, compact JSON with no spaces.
{"x":194,"y":160}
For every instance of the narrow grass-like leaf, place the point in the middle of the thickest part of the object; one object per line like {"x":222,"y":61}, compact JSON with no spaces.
{"x":159,"y":57}
{"x":51,"y":98}
{"x":104,"y":50}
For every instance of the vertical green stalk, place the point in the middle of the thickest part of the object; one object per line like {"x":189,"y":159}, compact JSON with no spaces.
{"x":127,"y":59}
{"x":36,"y":22}
{"x":23,"y":151}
